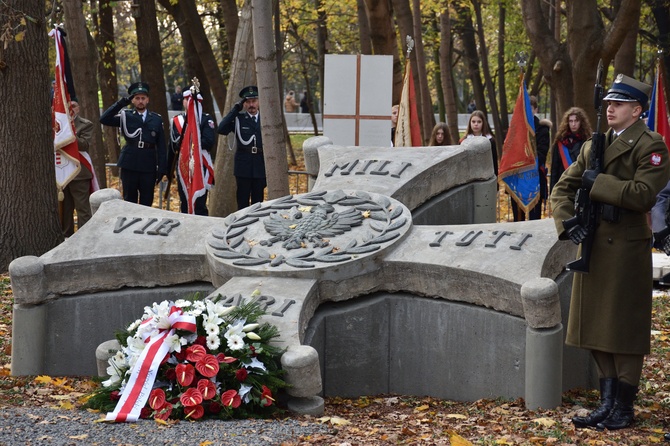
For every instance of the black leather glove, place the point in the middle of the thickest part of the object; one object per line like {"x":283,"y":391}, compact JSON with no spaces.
{"x":666,"y":245}
{"x":124,"y":101}
{"x":588,"y":178}
{"x":577,"y":234}
{"x":239,"y":105}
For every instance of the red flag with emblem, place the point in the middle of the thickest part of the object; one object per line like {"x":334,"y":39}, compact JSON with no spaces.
{"x":190,"y":154}
{"x":658,"y":112}
{"x":66,"y":150}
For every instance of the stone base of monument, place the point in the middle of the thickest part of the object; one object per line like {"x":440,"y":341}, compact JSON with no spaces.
{"x":411,"y":345}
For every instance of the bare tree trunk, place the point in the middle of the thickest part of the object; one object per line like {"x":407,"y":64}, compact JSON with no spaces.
{"x":484,"y":56}
{"x":445,"y":70}
{"x":83,"y":60}
{"x":231,"y":20}
{"x":660,"y":9}
{"x":242,"y":72}
{"x":624,"y":61}
{"x":274,"y":144}
{"x":363,"y":28}
{"x":384,"y":40}
{"x":502,"y":90}
{"x":279,"y":55}
{"x":570,"y":67}
{"x":151,"y":59}
{"x":428,"y":118}
{"x":28,"y":204}
{"x":321,"y":48}
{"x":192,"y":63}
{"x":205,"y":52}
{"x":405,"y":20}
{"x":467,"y":34}
{"x":107,"y":74}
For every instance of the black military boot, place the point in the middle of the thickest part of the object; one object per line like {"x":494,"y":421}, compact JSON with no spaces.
{"x":608,"y":391}
{"x":621,"y":415}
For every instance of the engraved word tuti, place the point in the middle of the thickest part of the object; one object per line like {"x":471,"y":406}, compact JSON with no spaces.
{"x":494,"y":239}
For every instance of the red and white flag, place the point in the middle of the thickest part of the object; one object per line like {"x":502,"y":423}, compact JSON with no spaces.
{"x":190,"y":169}
{"x":66,"y":150}
{"x":408,"y":130}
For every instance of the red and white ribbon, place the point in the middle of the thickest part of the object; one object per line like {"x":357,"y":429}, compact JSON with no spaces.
{"x":142,"y":378}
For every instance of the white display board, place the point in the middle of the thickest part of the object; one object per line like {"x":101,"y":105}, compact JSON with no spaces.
{"x":357,"y":101}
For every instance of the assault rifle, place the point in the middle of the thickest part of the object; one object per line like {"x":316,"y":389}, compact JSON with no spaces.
{"x":586,"y":210}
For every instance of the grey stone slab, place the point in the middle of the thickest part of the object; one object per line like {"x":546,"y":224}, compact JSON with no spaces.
{"x":123,"y":245}
{"x":412,"y":176}
{"x":60,"y":336}
{"x":484,"y":264}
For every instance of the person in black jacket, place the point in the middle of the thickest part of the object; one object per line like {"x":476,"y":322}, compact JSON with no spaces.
{"x":542,"y":128}
{"x":143,"y":159}
{"x":249,"y":170}
{"x":207,"y":141}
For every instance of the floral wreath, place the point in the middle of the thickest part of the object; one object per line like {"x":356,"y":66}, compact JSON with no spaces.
{"x":193,"y":359}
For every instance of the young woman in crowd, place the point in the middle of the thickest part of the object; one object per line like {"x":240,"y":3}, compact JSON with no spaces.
{"x":479,"y":126}
{"x":573,"y":130}
{"x":441,"y":135}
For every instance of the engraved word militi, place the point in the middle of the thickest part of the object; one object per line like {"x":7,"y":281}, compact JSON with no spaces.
{"x":370,"y":167}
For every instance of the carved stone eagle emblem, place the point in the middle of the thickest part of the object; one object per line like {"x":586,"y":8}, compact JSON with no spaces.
{"x":313,"y":224}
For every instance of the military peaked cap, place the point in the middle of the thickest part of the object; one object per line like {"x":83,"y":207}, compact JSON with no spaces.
{"x":627,"y":89}
{"x":249,"y":92}
{"x":137,"y":88}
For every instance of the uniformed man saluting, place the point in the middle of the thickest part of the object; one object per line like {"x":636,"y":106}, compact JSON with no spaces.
{"x":143,"y":160}
{"x":249,"y":167}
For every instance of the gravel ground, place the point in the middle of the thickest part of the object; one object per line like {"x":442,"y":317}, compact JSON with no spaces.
{"x":44,"y":426}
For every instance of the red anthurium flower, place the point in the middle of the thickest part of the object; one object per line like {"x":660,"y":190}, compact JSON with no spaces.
{"x":185,"y":374}
{"x":191,"y":397}
{"x":194,"y":412}
{"x":208,"y":366}
{"x":266,"y":395}
{"x":227,"y":359}
{"x":164,"y":412}
{"x":195,"y":353}
{"x":230,"y":398}
{"x":241,"y":375}
{"x":156,"y":399}
{"x":207,"y":389}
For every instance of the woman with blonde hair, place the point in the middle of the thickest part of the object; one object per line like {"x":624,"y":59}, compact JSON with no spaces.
{"x":478,"y":125}
{"x":441,"y":135}
{"x":573,"y":130}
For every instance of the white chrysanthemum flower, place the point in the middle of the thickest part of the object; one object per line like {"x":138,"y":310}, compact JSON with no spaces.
{"x":213,"y":342}
{"x":183,"y":303}
{"x":134,"y":325}
{"x":235,"y":342}
{"x":175,"y":342}
{"x":245,"y":393}
{"x":211,"y":329}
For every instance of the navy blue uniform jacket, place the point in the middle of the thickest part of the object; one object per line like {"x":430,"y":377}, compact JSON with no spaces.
{"x":247,"y":164}
{"x":151,"y":158}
